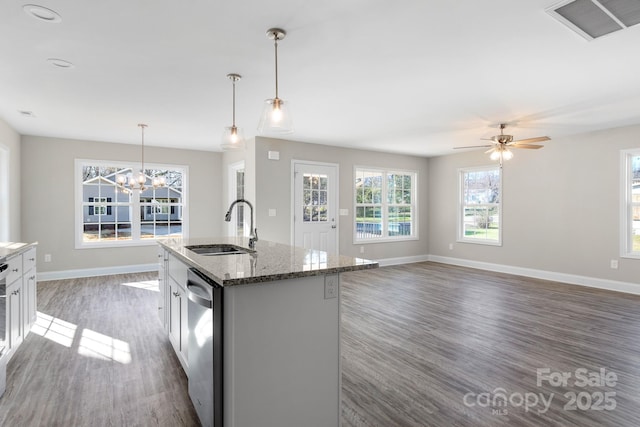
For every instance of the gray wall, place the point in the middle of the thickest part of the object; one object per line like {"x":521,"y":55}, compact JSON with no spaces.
{"x":561,"y":206}
{"x":273,"y":191}
{"x":10,"y":140}
{"x":48,"y":199}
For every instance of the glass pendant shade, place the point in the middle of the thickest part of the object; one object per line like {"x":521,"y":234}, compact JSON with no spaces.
{"x":159,"y":181}
{"x":138,"y":180}
{"x":276,"y":118}
{"x":232,"y":139}
{"x":507,"y":154}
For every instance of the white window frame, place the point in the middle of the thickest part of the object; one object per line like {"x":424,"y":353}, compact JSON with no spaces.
{"x":461,"y":206}
{"x":135,"y":204}
{"x":627,"y":204}
{"x":384,"y":205}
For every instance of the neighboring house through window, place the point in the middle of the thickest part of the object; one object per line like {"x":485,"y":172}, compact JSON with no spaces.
{"x":385,"y":205}
{"x":109,"y":214}
{"x":630,"y":230}
{"x":479,"y":210}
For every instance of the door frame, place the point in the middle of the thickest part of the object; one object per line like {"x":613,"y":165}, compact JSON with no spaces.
{"x":295,"y":162}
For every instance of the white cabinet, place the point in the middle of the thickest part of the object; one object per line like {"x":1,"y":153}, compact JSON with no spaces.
{"x":163,"y":303}
{"x":29,"y":289}
{"x":177,"y":321}
{"x":15,"y":324}
{"x":21,"y":297}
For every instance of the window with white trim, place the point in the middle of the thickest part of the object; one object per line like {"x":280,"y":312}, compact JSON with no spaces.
{"x":479,"y":210}
{"x":385,"y":205}
{"x":630,"y":239}
{"x":111,"y":214}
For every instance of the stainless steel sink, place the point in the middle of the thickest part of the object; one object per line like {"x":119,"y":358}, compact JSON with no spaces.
{"x":218,"y":249}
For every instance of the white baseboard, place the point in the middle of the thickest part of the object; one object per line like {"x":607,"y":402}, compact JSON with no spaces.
{"x":573,"y":279}
{"x":402,"y":260}
{"x":92,"y":272}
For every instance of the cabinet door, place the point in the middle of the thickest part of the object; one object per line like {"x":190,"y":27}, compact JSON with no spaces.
{"x":175,"y":315}
{"x":15,"y":316}
{"x":184,"y":325}
{"x":30,"y":300}
{"x":163,"y":304}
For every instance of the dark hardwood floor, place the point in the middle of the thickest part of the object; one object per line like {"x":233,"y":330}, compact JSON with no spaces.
{"x":97,"y":357}
{"x":416,"y":339}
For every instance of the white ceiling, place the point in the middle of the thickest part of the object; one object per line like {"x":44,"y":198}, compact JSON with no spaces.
{"x":410,"y":76}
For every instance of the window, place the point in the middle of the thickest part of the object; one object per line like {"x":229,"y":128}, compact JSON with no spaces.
{"x":109,"y":214}
{"x":314,"y":208}
{"x":479,"y":214}
{"x":630,"y":239}
{"x":385,"y":205}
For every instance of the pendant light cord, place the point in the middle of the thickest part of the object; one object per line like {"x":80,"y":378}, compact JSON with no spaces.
{"x":234,"y":101}
{"x":275,"y":43}
{"x":142,"y":126}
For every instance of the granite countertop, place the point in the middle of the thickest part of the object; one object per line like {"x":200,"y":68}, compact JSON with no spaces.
{"x":9,"y":249}
{"x":270,"y":261}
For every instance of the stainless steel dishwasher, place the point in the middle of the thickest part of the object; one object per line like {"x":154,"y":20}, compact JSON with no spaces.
{"x":205,"y":347}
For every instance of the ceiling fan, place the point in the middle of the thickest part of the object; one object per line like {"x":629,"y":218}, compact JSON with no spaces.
{"x":500,"y":144}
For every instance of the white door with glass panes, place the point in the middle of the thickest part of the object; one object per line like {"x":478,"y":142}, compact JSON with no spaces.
{"x":315,"y":206}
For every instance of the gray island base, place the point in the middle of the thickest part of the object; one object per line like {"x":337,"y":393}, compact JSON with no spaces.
{"x":280,"y":329}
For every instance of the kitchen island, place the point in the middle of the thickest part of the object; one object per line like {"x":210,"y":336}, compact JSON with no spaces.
{"x":280,"y":327}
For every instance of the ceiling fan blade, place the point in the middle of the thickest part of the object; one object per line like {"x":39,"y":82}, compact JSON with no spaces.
{"x":473,"y":146}
{"x":527,"y":140}
{"x":488,"y":139}
{"x":529,"y":146}
{"x":490,"y":150}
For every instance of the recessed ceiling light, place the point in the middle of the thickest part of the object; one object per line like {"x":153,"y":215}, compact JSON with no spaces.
{"x":42,"y":13}
{"x":27,"y":113}
{"x":60,"y":63}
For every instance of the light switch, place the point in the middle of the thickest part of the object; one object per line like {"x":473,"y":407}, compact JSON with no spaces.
{"x":272,"y":212}
{"x":344,"y":212}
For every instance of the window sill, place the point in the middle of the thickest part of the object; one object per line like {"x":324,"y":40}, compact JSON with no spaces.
{"x":118,"y":244}
{"x":480,"y":242}
{"x":385,"y":240}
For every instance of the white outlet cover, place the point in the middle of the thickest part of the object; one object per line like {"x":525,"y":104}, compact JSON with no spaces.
{"x":272,"y":212}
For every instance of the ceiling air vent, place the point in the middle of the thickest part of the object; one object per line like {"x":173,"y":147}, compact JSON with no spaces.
{"x":596,"y":18}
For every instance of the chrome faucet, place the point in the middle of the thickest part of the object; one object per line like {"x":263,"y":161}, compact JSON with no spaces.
{"x":253,"y":237}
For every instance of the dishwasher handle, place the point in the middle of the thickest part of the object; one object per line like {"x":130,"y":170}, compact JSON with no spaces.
{"x":199,"y":294}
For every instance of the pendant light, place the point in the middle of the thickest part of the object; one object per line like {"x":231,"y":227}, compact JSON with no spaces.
{"x":138,"y":180}
{"x":232,"y":138}
{"x":275,"y":118}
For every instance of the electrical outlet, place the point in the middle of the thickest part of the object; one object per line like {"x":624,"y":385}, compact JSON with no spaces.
{"x":272,"y":212}
{"x":330,"y":286}
{"x":614,"y":264}
{"x":47,"y":257}
{"x":450,"y":246}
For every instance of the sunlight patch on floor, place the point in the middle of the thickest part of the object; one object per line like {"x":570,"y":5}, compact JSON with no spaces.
{"x":150,"y":285}
{"x":99,"y":346}
{"x":54,"y":329}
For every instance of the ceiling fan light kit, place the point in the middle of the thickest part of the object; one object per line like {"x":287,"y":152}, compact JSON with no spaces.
{"x":499,"y":149}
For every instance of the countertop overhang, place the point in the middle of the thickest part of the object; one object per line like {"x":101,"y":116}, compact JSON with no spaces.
{"x":10,"y":249}
{"x":270,"y":261}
